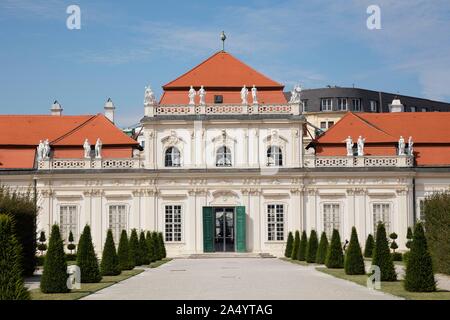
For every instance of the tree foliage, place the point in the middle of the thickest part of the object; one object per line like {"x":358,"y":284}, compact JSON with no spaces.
{"x":382,"y":255}
{"x":302,"y":247}
{"x":311,"y":249}
{"x":335,"y":256}
{"x":123,"y":252}
{"x":294,"y":255}
{"x":322,"y":250}
{"x":133,"y":249}
{"x":87,"y":259}
{"x":143,"y":249}
{"x":354,"y":261}
{"x":368,"y":248}
{"x":289,"y":244}
{"x":109,"y":265}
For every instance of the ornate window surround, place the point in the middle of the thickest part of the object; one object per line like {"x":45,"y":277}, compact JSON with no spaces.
{"x":275,"y":140}
{"x":173,"y":140}
{"x":224,"y":140}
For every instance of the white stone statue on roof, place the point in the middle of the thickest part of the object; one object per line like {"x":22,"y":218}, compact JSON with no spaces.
{"x":149,"y":97}
{"x":410,"y":146}
{"x":255,"y":95}
{"x":296,"y":94}
{"x":202,"y":95}
{"x":360,"y":144}
{"x":401,"y":146}
{"x":46,"y":150}
{"x":98,"y":149}
{"x":244,"y":95}
{"x":192,"y":94}
{"x":40,"y":150}
{"x":349,"y":145}
{"x":87,"y":149}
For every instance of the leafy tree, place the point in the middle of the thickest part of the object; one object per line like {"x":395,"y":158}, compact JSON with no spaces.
{"x":133,"y":247}
{"x":409,"y":237}
{"x":109,"y":265}
{"x":11,"y":281}
{"x":382,"y":255}
{"x":354,"y":261}
{"x":393,"y":245}
{"x":71,"y":246}
{"x":419,"y":275}
{"x":289,"y":244}
{"x":123,"y":252}
{"x":87,"y":259}
{"x":302,"y":247}
{"x":42,"y":246}
{"x":294,"y":255}
{"x":143,"y":249}
{"x":54,"y":277}
{"x":150,"y":245}
{"x":322,"y":250}
{"x":311,"y":249}
{"x":335,"y":256}
{"x":162,"y":245}
{"x":368,"y":249}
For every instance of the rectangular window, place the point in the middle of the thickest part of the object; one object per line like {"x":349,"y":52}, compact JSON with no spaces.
{"x":326,"y":104}
{"x":424,"y":109}
{"x":275,"y":222}
{"x":117,"y":221}
{"x":421,"y":210}
{"x":68,"y":221}
{"x":356,"y":104}
{"x":382,"y":213}
{"x":305,"y":105}
{"x":218,"y":99}
{"x":323,"y":125}
{"x":413,"y":109}
{"x":331,"y":218}
{"x":373,"y":105}
{"x":330,"y":124}
{"x":173,"y":223}
{"x":343,"y":104}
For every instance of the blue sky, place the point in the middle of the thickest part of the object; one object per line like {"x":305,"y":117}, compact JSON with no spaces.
{"x":123,"y":46}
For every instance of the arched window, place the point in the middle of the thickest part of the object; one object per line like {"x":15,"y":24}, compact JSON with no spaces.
{"x":172,"y":157}
{"x":274,"y":156}
{"x":223,"y":157}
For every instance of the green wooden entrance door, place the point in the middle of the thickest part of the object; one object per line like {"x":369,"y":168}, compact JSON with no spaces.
{"x":241,"y":222}
{"x":208,"y":229}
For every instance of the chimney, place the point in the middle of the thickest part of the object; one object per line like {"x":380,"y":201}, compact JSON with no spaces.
{"x":56,"y":109}
{"x":396,"y":105}
{"x":109,"y":110}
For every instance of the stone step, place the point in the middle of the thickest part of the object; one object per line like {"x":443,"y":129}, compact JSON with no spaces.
{"x":220,"y":255}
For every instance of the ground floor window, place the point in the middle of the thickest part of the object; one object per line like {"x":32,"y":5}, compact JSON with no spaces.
{"x":68,"y":221}
{"x":117,"y":220}
{"x":173,"y":223}
{"x":275,"y":222}
{"x":331,"y":218}
{"x":421,"y":210}
{"x":381,"y":213}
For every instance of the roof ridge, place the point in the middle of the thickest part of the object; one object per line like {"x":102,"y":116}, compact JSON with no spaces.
{"x":370,"y":124}
{"x":75,"y":129}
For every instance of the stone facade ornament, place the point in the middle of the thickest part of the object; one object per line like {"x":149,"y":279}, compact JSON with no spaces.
{"x":296,"y":94}
{"x":361,"y":142}
{"x":349,"y":145}
{"x":410,"y":146}
{"x":98,"y":149}
{"x":40,"y":150}
{"x":46,"y":150}
{"x":401,"y":146}
{"x":255,"y":95}
{"x":192,"y":94}
{"x":149,"y":97}
{"x":87,"y":149}
{"x":244,"y":95}
{"x":202,"y":95}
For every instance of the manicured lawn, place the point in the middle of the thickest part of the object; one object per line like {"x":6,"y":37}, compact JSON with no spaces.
{"x":86,"y":288}
{"x":158,"y":263}
{"x":302,"y":263}
{"x":394,"y":288}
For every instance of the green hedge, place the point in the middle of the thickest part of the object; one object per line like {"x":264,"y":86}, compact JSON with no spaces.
{"x":289,"y":244}
{"x":311,"y":249}
{"x":335,"y":256}
{"x":295,"y":247}
{"x":109,"y":265}
{"x":382,"y":255}
{"x":87,"y":259}
{"x":322,"y":250}
{"x":354,"y":261}
{"x":368,"y":248}
{"x":302,"y":247}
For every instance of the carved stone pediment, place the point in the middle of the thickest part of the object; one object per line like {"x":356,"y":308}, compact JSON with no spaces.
{"x":225,"y":197}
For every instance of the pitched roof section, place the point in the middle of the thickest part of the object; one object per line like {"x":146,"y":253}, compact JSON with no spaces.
{"x":222,"y":70}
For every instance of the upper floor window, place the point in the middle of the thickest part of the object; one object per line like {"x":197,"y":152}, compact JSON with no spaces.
{"x":343,"y":104}
{"x":172,"y":157}
{"x":412,"y":109}
{"x":274,"y":156}
{"x":117,"y":220}
{"x":373,"y":105}
{"x":325,"y":125}
{"x":381,"y":213}
{"x":68,"y":221}
{"x":331,"y":218}
{"x":424,"y":109}
{"x":421,"y":210}
{"x":275,"y":222}
{"x":173,"y":223}
{"x":326,"y":104}
{"x":223,"y":157}
{"x":356,"y":104}
{"x":305,"y":105}
{"x":218,"y":99}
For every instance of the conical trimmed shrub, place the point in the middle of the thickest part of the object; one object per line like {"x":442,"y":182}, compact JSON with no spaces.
{"x":322,"y":250}
{"x":87,"y":259}
{"x":71,"y":246}
{"x":11,"y":281}
{"x":419,"y":275}
{"x":354,"y":261}
{"x":382,"y":255}
{"x":335,"y":256}
{"x":311,"y":249}
{"x":156,"y":245}
{"x":368,"y":248}
{"x":54,"y":277}
{"x":162,"y":245}
{"x":150,"y":246}
{"x":109,"y":265}
{"x":123,"y":252}
{"x":294,"y":254}
{"x":133,"y":247}
{"x":289,"y":244}
{"x":409,"y":237}
{"x":302,"y":247}
{"x":143,"y":248}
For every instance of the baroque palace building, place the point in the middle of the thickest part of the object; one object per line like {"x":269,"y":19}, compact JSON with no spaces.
{"x":223,"y":166}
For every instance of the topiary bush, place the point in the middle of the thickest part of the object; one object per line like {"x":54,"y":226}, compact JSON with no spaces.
{"x":294,"y":255}
{"x":150,"y":245}
{"x":133,"y":249}
{"x":322,"y":249}
{"x":42,"y":246}
{"x":409,"y":236}
{"x":368,"y":248}
{"x":11,"y":281}
{"x":354,"y":261}
{"x":156,"y":245}
{"x":311,"y":249}
{"x":109,"y":265}
{"x":289,"y":244}
{"x":393,"y":245}
{"x":419,"y":276}
{"x":382,"y":255}
{"x":54,"y":277}
{"x":335,"y":256}
{"x":71,"y":246}
{"x":143,"y":248}
{"x":123,"y":252}
{"x":396,"y":256}
{"x":162,"y":246}
{"x":87,"y":259}
{"x":302,"y":247}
